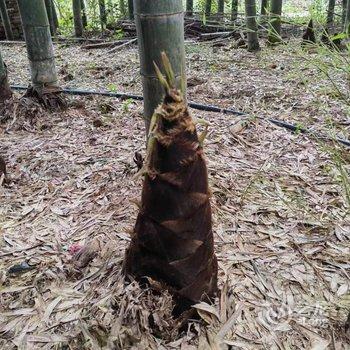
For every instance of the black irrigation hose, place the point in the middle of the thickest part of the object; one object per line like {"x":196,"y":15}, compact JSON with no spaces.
{"x":81,"y":92}
{"x":302,"y":130}
{"x":198,"y":106}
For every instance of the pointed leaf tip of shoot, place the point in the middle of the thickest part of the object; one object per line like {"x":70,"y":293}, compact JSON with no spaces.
{"x":168,"y":69}
{"x":161,"y":77}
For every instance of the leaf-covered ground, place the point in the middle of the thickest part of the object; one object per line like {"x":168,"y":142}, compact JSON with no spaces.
{"x":280,"y":200}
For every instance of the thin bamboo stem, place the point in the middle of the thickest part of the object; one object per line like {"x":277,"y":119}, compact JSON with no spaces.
{"x":83,"y":14}
{"x":103,"y":13}
{"x":131,"y":9}
{"x":330,"y":13}
{"x":208,"y":4}
{"x":189,"y":7}
{"x":78,"y":22}
{"x":275,"y":22}
{"x":48,"y":4}
{"x":250,"y":11}
{"x":234,"y":10}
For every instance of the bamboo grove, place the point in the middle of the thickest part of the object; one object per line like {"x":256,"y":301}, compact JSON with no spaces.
{"x":87,"y":15}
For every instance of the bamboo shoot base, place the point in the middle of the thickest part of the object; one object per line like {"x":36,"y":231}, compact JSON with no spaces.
{"x":49,"y":96}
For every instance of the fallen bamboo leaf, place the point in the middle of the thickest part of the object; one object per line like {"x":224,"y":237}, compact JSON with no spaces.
{"x":207,"y":312}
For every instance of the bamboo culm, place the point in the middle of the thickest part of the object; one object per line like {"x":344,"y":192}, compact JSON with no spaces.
{"x":208,"y":4}
{"x":103,"y":14}
{"x":78,"y":22}
{"x":275,"y":22}
{"x":347,"y":19}
{"x":39,"y":43}
{"x":49,"y":11}
{"x":330,"y":13}
{"x":250,"y":12}
{"x":6,"y":20}
{"x":234,"y":10}
{"x":343,"y":15}
{"x":83,"y":14}
{"x":189,"y":7}
{"x":156,"y":33}
{"x":221,"y":8}
{"x":131,"y":9}
{"x":122,"y":8}
{"x":54,"y":15}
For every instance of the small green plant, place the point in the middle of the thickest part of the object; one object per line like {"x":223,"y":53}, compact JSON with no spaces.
{"x":92,"y":65}
{"x":299,"y":128}
{"x":335,"y":66}
{"x":127,"y":104}
{"x":329,"y":62}
{"x":112,"y":87}
{"x":214,"y":68}
{"x":118,"y":34}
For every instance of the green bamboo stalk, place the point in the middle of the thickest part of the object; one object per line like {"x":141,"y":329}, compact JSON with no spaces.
{"x":275,"y":22}
{"x":131,"y":9}
{"x":189,"y":7}
{"x":330,"y":13}
{"x":122,"y":8}
{"x":103,"y":13}
{"x":252,"y":26}
{"x":39,"y":44}
{"x":6,"y":20}
{"x":5,"y":91}
{"x":78,"y":22}
{"x":160,"y":27}
{"x":48,"y":5}
{"x":221,"y":8}
{"x":208,"y":4}
{"x":347,"y":19}
{"x":110,"y":9}
{"x":234,"y":10}
{"x":343,"y":15}
{"x":83,"y":14}
{"x":54,"y":15}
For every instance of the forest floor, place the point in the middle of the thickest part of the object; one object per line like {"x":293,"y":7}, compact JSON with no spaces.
{"x":280,"y":203}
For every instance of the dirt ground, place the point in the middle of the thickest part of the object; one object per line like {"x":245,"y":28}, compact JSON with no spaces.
{"x":280,"y":202}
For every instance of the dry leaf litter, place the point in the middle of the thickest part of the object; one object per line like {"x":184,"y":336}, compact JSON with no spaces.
{"x":282,"y":222}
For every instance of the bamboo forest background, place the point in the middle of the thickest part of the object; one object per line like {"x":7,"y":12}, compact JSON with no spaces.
{"x":296,"y":11}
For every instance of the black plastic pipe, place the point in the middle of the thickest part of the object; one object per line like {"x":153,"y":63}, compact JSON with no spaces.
{"x":80,"y":92}
{"x":198,"y":106}
{"x":302,"y":130}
